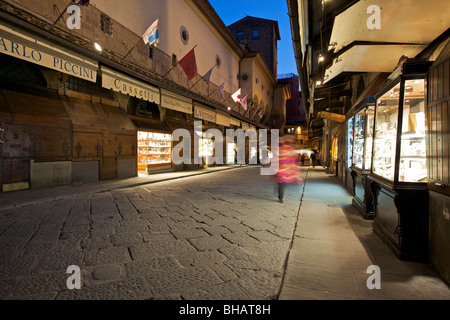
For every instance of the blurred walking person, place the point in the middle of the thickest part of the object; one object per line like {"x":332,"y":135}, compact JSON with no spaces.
{"x":313,"y":159}
{"x":289,"y":168}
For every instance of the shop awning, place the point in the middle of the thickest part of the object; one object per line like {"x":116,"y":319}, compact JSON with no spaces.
{"x":370,"y":58}
{"x":121,"y":83}
{"x":96,"y":116}
{"x":31,"y":109}
{"x":26,"y":46}
{"x":406,"y":28}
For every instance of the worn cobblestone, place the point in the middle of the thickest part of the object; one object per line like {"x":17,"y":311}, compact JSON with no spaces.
{"x":172,"y":240}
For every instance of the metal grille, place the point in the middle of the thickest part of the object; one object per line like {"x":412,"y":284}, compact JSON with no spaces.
{"x":87,"y":87}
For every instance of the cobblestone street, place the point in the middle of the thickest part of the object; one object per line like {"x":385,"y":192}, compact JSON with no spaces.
{"x":222,"y":235}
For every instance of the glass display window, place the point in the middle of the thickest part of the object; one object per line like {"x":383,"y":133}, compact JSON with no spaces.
{"x":385,"y":140}
{"x":413,"y":165}
{"x":206,"y":147}
{"x":399,"y":150}
{"x":350,"y":131}
{"x":231,"y":147}
{"x":154,"y":148}
{"x":370,"y":115}
{"x":358,"y":142}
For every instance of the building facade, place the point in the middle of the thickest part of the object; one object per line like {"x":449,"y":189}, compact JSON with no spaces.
{"x":259,"y":35}
{"x":95,"y":102}
{"x":376,"y":91}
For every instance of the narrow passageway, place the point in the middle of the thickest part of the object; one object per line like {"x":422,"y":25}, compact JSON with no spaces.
{"x":334,"y":246}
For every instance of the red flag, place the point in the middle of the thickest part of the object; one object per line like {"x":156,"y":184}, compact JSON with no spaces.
{"x":189,"y":65}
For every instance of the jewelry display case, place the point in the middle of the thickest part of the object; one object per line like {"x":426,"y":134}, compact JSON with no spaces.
{"x":399,"y":167}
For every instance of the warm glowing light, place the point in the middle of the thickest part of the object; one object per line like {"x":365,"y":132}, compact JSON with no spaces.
{"x":97,"y":47}
{"x":318,"y":83}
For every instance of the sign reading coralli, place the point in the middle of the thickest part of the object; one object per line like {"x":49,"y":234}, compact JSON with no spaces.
{"x":126,"y":85}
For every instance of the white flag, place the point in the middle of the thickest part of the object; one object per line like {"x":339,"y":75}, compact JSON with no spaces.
{"x":237,"y":96}
{"x":152,"y":34}
{"x":244,"y":103}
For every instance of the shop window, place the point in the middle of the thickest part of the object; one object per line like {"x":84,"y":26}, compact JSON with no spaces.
{"x":386,"y":133}
{"x":19,"y":71}
{"x":105,"y":24}
{"x":154,"y":149}
{"x":413,"y":166}
{"x":350,"y":130}
{"x":369,"y":137}
{"x":358,"y":142}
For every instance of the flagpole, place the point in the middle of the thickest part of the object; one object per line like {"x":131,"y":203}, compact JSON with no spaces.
{"x":138,"y":41}
{"x":202,"y":78}
{"x":177,"y":63}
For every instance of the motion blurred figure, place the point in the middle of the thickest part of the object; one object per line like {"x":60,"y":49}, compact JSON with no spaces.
{"x":289,"y":168}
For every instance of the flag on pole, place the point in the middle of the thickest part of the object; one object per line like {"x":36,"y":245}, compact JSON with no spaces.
{"x":189,"y":64}
{"x":261,"y":113}
{"x":220,"y":90}
{"x":237,"y":96}
{"x":207,"y":76}
{"x":244,"y":103}
{"x":152,"y":34}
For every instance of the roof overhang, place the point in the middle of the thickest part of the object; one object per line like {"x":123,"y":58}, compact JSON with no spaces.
{"x":370,"y":58}
{"x":407,"y":27}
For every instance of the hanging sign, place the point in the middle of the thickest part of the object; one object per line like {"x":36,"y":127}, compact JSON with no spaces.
{"x":175,"y":102}
{"x":204,"y":114}
{"x":223,"y":120}
{"x":235,"y":122}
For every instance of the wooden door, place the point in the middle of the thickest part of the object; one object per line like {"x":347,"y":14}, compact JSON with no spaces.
{"x":109,"y":165}
{"x":15,"y":157}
